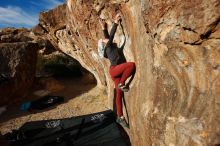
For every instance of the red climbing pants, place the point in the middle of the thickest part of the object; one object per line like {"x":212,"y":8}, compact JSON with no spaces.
{"x":119,"y":74}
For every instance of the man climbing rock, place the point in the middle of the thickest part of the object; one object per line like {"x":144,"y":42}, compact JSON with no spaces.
{"x":120,"y":70}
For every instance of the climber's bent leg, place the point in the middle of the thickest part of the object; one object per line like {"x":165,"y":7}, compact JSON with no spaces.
{"x":124,"y":70}
{"x":128,"y":72}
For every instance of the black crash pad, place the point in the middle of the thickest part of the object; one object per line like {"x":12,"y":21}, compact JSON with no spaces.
{"x":98,"y":129}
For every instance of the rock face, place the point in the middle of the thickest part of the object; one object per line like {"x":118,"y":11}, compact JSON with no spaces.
{"x":175,"y":96}
{"x":51,"y":22}
{"x":18,"y":57}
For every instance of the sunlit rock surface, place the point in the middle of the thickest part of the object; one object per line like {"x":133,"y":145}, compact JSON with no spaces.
{"x":174,"y":98}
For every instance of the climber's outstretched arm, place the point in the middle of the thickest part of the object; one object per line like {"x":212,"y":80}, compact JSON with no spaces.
{"x":114,"y":28}
{"x":105,"y":33}
{"x":112,"y":33}
{"x":104,"y":28}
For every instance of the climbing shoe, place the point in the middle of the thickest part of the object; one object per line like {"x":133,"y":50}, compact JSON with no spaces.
{"x":122,"y":122}
{"x":123,"y":87}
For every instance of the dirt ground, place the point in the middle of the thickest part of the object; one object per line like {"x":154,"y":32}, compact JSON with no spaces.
{"x":81,"y":97}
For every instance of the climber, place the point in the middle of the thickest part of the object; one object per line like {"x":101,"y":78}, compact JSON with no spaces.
{"x":120,"y":70}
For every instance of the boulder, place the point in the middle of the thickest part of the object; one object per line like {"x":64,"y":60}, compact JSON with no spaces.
{"x":174,"y":97}
{"x":18,"y":56}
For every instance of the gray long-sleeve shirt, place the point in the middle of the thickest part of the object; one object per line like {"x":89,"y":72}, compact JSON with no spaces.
{"x":112,"y":52}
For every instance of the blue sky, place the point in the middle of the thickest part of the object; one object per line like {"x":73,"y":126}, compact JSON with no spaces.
{"x":23,"y":13}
